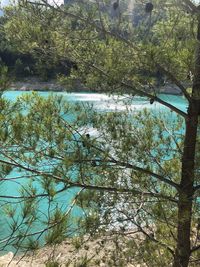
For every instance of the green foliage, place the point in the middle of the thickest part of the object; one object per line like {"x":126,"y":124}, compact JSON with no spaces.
{"x":43,"y":138}
{"x":52,"y":264}
{"x":83,"y":262}
{"x":77,"y":242}
{"x":127,"y":176}
{"x":4,"y":80}
{"x":52,"y":38}
{"x":19,"y":68}
{"x":58,"y":222}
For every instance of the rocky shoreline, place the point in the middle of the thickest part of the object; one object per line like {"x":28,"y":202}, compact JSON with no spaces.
{"x":53,"y":85}
{"x":92,"y":252}
{"x":36,"y":86}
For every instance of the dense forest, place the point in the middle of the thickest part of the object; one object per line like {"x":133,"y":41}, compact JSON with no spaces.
{"x":33,"y":44}
{"x":27,"y":53}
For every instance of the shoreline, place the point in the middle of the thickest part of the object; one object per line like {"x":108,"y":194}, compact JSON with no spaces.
{"x":95,"y":251}
{"x":53,"y":86}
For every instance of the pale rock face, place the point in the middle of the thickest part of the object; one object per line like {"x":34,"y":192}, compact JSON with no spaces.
{"x":5,"y":259}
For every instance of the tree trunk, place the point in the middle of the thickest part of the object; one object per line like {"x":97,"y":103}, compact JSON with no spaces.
{"x":182,"y":253}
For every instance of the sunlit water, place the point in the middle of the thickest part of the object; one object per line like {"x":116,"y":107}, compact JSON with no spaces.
{"x":106,"y":102}
{"x":101,"y":102}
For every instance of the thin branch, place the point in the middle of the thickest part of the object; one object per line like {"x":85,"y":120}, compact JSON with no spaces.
{"x":33,"y":196}
{"x":128,"y":166}
{"x":111,"y":159}
{"x":175,"y":80}
{"x":152,"y":238}
{"x":49,"y":227}
{"x":119,"y":37}
{"x":120,"y":163}
{"x":136,"y":168}
{"x":159,"y":100}
{"x":143,"y":93}
{"x":89,"y":186}
{"x":195,"y":248}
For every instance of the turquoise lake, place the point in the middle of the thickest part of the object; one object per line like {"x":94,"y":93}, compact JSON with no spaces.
{"x":101,"y":102}
{"x":105,"y":102}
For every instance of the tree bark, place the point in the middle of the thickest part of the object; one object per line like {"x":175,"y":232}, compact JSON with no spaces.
{"x":182,"y":253}
{"x":183,"y":248}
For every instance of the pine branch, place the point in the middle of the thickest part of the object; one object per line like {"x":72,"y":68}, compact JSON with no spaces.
{"x":152,"y":238}
{"x":71,"y":184}
{"x":111,"y":159}
{"x":142,"y":92}
{"x":175,"y":81}
{"x":123,"y":39}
